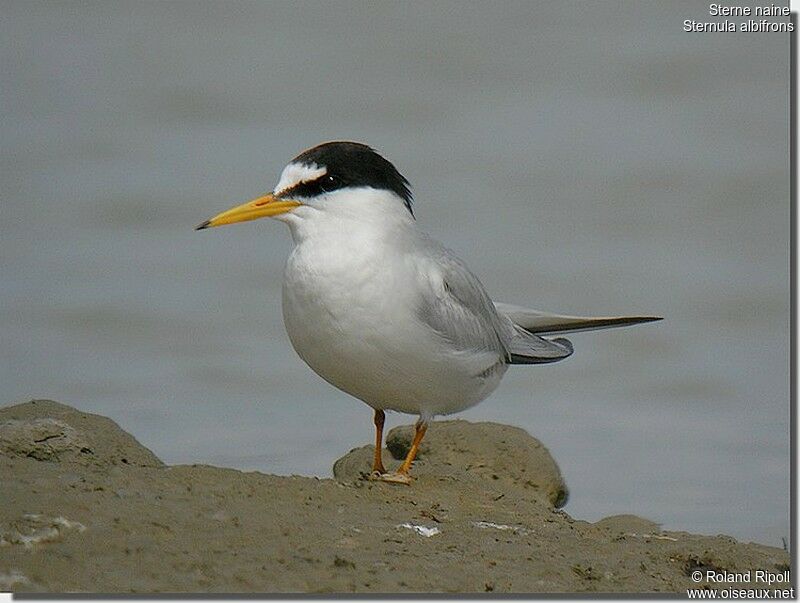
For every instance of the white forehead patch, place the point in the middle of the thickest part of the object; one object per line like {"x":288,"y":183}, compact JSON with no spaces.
{"x":297,"y":173}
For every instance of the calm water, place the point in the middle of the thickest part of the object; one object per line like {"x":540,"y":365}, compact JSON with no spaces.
{"x":581,"y":157}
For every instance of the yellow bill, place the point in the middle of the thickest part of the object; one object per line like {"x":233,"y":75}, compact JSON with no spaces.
{"x":263,"y":207}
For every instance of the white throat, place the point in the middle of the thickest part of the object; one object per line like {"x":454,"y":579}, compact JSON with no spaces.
{"x":361,"y":212}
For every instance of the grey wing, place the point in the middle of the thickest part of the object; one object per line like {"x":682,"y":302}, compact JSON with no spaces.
{"x":527,"y":348}
{"x":536,"y":321}
{"x":455,"y":305}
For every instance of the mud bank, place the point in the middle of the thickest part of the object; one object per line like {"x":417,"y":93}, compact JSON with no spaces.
{"x":86,"y":508}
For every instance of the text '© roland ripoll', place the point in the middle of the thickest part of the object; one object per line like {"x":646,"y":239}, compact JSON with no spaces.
{"x":751,"y":25}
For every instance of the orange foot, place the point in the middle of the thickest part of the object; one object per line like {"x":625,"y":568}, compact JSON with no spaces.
{"x":394,"y":477}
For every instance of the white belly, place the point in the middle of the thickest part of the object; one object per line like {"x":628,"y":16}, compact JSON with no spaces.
{"x":353,"y":320}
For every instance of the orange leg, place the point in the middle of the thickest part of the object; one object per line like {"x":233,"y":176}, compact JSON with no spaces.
{"x":377,"y":463}
{"x":421,"y":427}
{"x":401,"y":476}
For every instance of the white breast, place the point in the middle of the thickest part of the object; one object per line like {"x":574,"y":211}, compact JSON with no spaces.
{"x":349,"y":305}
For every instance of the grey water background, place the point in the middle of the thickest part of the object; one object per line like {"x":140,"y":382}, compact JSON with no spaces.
{"x":587,"y":158}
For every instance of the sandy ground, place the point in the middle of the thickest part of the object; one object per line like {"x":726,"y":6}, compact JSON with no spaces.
{"x":85,"y":508}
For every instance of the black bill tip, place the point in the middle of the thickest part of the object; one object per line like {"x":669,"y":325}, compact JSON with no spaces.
{"x":204,"y":225}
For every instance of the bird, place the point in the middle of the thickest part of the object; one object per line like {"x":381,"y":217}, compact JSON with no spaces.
{"x":384,"y":312}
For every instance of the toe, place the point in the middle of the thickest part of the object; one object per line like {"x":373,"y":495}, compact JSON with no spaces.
{"x":395,"y":478}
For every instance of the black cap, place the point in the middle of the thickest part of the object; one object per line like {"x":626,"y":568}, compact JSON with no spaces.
{"x":349,"y":164}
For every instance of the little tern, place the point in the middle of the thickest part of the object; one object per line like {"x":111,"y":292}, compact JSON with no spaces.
{"x":382,"y":311}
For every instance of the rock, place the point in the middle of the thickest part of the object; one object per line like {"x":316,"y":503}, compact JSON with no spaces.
{"x":81,"y":522}
{"x":45,"y":439}
{"x":505,"y":456}
{"x":356,"y":464}
{"x":48,"y":431}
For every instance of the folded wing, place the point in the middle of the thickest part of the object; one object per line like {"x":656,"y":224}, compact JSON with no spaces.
{"x":527,"y":348}
{"x":454,"y":304}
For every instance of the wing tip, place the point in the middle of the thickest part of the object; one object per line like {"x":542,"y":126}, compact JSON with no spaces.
{"x":592,"y":324}
{"x":561,"y":342}
{"x":565,"y":343}
{"x":645,"y":319}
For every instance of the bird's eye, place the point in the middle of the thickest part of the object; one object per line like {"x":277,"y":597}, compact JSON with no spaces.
{"x":330,"y":182}
{"x":309,"y":189}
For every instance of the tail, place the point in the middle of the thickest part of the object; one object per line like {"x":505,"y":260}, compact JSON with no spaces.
{"x":544,"y":323}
